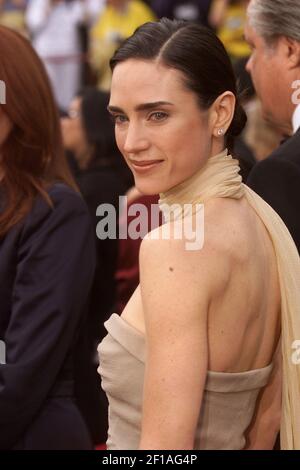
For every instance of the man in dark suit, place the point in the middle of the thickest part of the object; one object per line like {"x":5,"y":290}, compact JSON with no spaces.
{"x":273,"y":33}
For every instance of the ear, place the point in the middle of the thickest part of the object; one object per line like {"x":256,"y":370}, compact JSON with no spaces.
{"x":292,"y":52}
{"x":222,"y":112}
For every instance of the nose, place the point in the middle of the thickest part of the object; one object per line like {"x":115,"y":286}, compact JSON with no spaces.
{"x":135,"y":139}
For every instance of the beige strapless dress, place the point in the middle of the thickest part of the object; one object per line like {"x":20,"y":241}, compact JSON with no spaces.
{"x":228,"y":401}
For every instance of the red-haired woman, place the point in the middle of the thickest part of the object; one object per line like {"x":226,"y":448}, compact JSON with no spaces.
{"x":46,"y":262}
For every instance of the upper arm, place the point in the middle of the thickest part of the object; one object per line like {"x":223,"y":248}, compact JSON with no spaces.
{"x":175,"y":307}
{"x":55,"y":268}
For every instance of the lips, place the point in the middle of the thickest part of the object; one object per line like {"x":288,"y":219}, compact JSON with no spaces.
{"x":145,"y":163}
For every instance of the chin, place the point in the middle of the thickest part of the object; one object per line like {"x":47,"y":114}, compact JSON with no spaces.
{"x":148,"y":187}
{"x":147,"y":190}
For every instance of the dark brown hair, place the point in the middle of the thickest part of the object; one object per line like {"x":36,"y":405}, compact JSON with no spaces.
{"x":195,"y":51}
{"x":32,"y":156}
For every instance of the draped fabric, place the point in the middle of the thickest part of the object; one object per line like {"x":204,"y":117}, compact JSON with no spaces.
{"x":220,"y":178}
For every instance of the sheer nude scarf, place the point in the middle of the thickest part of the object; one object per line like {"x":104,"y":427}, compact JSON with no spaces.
{"x":220,"y":178}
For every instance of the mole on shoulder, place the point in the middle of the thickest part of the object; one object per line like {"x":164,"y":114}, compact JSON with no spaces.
{"x":171,"y":269}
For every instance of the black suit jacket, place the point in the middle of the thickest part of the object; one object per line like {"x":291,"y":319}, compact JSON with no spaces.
{"x":277,"y":181}
{"x":47,"y":265}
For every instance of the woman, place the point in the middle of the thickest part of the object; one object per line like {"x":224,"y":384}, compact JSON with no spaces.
{"x":47,"y":262}
{"x":88,"y":133}
{"x":198,"y":337}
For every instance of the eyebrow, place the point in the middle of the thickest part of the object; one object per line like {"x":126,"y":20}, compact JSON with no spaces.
{"x":141,"y":107}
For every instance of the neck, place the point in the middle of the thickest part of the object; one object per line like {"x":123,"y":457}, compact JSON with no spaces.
{"x":218,"y":178}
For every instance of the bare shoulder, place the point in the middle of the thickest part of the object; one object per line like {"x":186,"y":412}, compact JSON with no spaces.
{"x":173,"y":301}
{"x":166,"y":244}
{"x":163,"y":255}
{"x":227,"y":239}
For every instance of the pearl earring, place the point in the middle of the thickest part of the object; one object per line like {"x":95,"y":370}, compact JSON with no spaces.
{"x":220,"y":131}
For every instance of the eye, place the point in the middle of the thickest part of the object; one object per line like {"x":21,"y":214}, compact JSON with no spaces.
{"x":119,"y":118}
{"x":158,"y":116}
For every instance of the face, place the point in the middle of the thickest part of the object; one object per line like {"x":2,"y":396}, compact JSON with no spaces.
{"x":160,"y":130}
{"x":73,"y":131}
{"x":267,"y":68}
